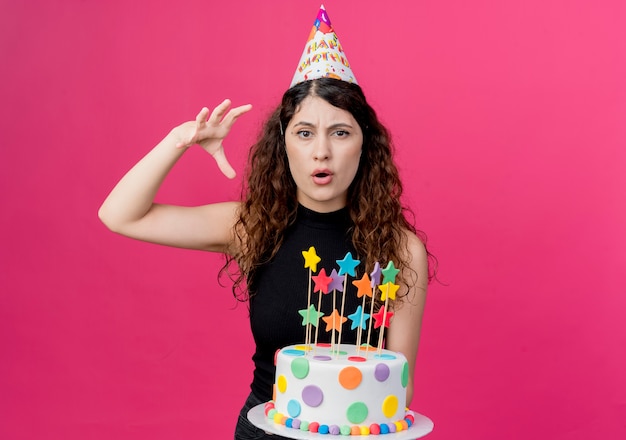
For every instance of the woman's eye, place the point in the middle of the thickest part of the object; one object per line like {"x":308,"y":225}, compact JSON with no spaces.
{"x":341,"y":133}
{"x":304,"y":133}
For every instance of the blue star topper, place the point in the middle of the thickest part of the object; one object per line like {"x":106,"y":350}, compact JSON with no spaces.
{"x":347,"y":265}
{"x":359,"y":318}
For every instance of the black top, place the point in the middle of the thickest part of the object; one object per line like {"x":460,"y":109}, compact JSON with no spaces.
{"x":281,"y":289}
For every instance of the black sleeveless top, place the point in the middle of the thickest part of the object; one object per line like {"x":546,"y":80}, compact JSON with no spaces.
{"x":280,"y":289}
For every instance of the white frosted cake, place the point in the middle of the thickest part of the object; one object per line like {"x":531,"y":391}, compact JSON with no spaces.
{"x":344,"y":391}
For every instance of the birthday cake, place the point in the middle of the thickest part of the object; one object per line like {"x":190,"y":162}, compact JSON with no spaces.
{"x":343,"y":389}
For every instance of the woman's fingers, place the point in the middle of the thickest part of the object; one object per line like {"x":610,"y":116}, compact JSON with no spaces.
{"x":218,"y":112}
{"x":226,"y":122}
{"x":225,"y":116}
{"x":210,"y":131}
{"x":223,"y":164}
{"x":234,"y":114}
{"x":201,"y":118}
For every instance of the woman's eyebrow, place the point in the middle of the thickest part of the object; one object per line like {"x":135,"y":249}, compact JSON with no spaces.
{"x":333,"y":126}
{"x":304,"y":124}
{"x":341,"y":125}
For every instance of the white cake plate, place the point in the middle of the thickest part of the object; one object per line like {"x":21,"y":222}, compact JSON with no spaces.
{"x":422,"y":426}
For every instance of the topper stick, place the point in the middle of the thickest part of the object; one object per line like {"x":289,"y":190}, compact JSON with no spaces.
{"x":317,"y":327}
{"x":359,"y":333}
{"x":376,"y":273}
{"x":343,"y":302}
{"x":332,"y":341}
{"x":369,"y":324}
{"x":388,"y":291}
{"x":381,"y":335}
{"x":307,"y":340}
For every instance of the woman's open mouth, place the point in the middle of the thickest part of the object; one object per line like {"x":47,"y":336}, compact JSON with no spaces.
{"x":322,"y":177}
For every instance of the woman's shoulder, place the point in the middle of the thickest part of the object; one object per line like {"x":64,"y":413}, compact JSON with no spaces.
{"x":417,"y":258}
{"x":415,"y":246}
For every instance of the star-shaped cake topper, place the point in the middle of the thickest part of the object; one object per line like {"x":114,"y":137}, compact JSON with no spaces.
{"x":389,"y":273}
{"x":379,"y":316}
{"x":359,"y":318}
{"x":322,"y":281}
{"x":347,"y":265}
{"x":388,"y":290}
{"x":363,"y":286}
{"x":310,"y":316}
{"x":375,"y":275}
{"x":311,"y":259}
{"x":334,"y":321}
{"x":337,"y":282}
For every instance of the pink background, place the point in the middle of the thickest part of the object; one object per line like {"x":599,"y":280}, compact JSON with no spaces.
{"x":510,"y":122}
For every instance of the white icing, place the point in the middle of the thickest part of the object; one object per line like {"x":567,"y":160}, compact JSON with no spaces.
{"x":324,"y":374}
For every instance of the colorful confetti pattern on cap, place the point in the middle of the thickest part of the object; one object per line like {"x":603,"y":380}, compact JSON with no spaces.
{"x":323,"y":55}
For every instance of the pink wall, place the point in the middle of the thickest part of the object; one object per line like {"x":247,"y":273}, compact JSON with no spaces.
{"x":509,"y":118}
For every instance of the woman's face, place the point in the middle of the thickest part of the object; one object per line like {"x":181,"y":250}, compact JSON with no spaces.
{"x":323,"y":148}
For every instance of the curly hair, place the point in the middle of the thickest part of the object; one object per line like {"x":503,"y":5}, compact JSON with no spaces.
{"x":269,"y":202}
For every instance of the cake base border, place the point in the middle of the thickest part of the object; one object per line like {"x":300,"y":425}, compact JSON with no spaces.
{"x":421,"y":427}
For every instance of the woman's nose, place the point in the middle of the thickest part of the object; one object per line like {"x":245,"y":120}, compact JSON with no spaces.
{"x":321,"y":150}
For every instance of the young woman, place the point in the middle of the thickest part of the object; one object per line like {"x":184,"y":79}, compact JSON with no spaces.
{"x":321,"y":175}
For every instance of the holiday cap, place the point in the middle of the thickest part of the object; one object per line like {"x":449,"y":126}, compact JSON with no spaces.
{"x":323,"y":55}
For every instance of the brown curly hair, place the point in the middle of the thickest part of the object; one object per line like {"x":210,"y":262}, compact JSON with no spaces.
{"x":269,"y":203}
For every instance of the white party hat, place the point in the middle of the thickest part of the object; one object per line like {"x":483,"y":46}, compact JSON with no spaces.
{"x":323,"y":55}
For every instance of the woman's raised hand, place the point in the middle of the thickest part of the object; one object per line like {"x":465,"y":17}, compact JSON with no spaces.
{"x":209,"y":132}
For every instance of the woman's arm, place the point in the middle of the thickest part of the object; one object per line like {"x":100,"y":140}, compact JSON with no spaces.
{"x":404,"y":331}
{"x":130,"y":209}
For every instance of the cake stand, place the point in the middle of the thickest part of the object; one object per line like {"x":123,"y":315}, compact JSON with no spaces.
{"x":422,"y":426}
